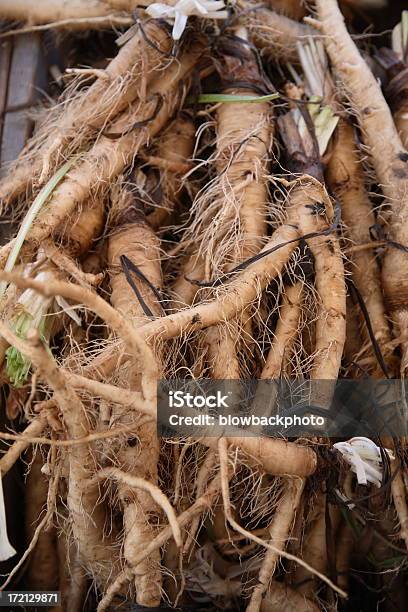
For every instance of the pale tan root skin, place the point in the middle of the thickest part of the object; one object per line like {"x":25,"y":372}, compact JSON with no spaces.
{"x":73,"y":581}
{"x":148,"y":487}
{"x":77,"y":238}
{"x":224,"y":475}
{"x":221,"y":345}
{"x":244,"y":136}
{"x":236,"y":296}
{"x":90,"y":110}
{"x":286,"y":331}
{"x":276,"y":35}
{"x":45,"y":11}
{"x":331,"y":288}
{"x":400,"y":501}
{"x":85,"y":226}
{"x":251,"y":124}
{"x":182,"y":291}
{"x":175,"y":146}
{"x":314,"y":546}
{"x":136,"y":345}
{"x":34,"y":429}
{"x":132,"y":236}
{"x":294,"y":9}
{"x":199,"y":506}
{"x":345,"y":178}
{"x":276,"y":456}
{"x":244,"y":287}
{"x":201,"y":484}
{"x":230,"y":212}
{"x":78,"y":233}
{"x":107,"y":158}
{"x":282,"y":597}
{"x":285,"y":334}
{"x":68,"y":266}
{"x":330,"y":338}
{"x":279,"y":531}
{"x":385,"y":148}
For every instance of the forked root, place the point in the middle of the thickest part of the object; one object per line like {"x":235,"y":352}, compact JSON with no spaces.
{"x":87,"y":513}
{"x":33,"y":430}
{"x":140,"y":483}
{"x":223,"y":454}
{"x":203,"y":502}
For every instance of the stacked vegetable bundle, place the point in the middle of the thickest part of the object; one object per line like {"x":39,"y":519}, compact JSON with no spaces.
{"x":206,"y":209}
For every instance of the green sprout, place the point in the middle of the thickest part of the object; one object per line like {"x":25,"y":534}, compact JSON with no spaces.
{"x":231,"y":98}
{"x":325,"y":122}
{"x":31,"y":311}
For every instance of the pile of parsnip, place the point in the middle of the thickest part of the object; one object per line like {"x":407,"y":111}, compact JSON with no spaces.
{"x":227,"y":199}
